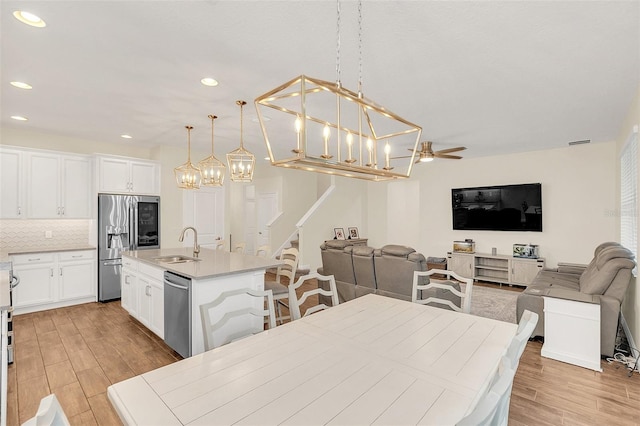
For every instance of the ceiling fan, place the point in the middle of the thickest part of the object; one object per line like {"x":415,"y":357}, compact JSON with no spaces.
{"x":426,"y":153}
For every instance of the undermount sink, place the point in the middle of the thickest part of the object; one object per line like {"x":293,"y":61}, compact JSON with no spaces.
{"x":178,"y":258}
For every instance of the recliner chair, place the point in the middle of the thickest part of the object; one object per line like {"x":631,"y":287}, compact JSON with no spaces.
{"x":394,"y":267}
{"x":606,"y":278}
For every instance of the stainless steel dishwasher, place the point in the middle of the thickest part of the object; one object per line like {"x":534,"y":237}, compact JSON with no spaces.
{"x":177,"y":313}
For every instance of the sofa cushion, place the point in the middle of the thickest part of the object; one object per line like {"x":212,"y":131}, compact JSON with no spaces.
{"x":610,"y":262}
{"x":396,"y":250}
{"x":363,"y":268}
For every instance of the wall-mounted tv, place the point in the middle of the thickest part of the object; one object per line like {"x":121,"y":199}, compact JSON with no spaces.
{"x":498,"y":208}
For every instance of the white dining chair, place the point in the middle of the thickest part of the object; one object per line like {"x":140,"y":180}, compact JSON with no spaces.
{"x":295,"y":302}
{"x":493,"y":407}
{"x":436,"y":290}
{"x":49,"y":413}
{"x":288,"y":268}
{"x":263,"y":251}
{"x":527,"y":324}
{"x":239,"y":247}
{"x":240,"y":329}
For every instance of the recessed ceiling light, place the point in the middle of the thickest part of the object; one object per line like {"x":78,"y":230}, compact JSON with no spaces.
{"x":29,"y":19}
{"x":21,"y":85}
{"x":209,"y":81}
{"x":19,"y":118}
{"x":126,"y":136}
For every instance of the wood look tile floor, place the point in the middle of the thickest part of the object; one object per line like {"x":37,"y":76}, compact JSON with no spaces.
{"x":77,"y":352}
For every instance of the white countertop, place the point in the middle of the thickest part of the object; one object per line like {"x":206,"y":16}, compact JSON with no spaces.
{"x":5,"y":301}
{"x":212,"y":263}
{"x":50,"y":250}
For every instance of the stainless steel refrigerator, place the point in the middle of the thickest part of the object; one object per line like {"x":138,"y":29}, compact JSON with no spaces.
{"x":125,"y":222}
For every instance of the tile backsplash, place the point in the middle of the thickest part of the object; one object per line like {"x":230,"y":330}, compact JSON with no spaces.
{"x":31,"y":235}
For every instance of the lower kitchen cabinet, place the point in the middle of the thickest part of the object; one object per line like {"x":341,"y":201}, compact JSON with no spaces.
{"x":55,"y":279}
{"x":143,"y":294}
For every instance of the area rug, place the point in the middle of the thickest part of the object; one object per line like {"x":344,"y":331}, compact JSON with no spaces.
{"x":494,"y":303}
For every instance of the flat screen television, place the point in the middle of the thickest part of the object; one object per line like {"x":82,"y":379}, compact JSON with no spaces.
{"x":498,"y":208}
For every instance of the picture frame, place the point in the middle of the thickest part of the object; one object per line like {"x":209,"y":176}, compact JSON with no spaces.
{"x":353,"y":233}
{"x":339,"y":233}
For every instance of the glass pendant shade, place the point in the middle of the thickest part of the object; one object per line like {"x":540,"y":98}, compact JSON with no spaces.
{"x":212,"y":169}
{"x":241,"y":162}
{"x":187,"y":175}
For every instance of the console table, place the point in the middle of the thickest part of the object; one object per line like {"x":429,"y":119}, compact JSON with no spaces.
{"x":497,"y":268}
{"x":352,"y":241}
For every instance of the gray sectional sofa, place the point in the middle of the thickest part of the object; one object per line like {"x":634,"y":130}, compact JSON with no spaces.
{"x":604,"y":280}
{"x":359,"y":270}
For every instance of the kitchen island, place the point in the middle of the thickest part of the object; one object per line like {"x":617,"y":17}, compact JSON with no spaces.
{"x":211,"y":272}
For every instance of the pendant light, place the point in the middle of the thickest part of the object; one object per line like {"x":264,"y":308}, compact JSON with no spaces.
{"x":240,"y":161}
{"x":187,"y":175}
{"x":212,"y":169}
{"x":335,"y":130}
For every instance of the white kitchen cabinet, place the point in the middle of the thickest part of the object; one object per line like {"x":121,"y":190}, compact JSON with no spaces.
{"x":144,"y":297}
{"x":11,"y":184}
{"x":123,"y":175}
{"x":129,"y":283}
{"x":143,"y":294}
{"x":54,"y":279}
{"x":76,"y":272}
{"x":58,"y":186}
{"x":76,"y":187}
{"x":38,"y":184}
{"x":38,"y":279}
{"x":156,"y":321}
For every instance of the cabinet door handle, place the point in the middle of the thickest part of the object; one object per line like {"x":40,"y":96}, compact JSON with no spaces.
{"x":126,"y":280}
{"x":19,"y":210}
{"x":33,"y":260}
{"x":78,"y":255}
{"x":63,"y":211}
{"x":51,"y":269}
{"x":60,"y":271}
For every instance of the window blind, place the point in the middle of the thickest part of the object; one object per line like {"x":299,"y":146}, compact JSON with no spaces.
{"x":629,"y":195}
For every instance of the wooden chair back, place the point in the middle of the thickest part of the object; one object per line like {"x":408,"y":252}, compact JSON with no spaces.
{"x":295,"y":302}
{"x":444,"y":286}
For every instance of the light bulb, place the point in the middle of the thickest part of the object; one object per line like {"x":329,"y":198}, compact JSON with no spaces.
{"x":298,"y":124}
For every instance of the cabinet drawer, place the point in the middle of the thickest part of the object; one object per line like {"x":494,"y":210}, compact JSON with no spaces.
{"x":128,"y":262}
{"x":152,"y":271}
{"x":76,"y":255}
{"x":29,"y":259}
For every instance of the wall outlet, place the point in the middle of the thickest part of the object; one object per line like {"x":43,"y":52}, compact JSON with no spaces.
{"x":48,"y":234}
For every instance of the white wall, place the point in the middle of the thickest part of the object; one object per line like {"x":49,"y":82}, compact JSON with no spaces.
{"x":578,"y":199}
{"x":345,"y":207}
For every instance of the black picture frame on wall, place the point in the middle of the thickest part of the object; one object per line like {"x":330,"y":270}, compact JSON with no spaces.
{"x":339,"y":233}
{"x":353,"y":233}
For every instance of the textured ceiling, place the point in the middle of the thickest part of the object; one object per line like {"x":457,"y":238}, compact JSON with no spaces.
{"x":495,"y":76}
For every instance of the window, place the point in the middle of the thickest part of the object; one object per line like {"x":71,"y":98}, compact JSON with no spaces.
{"x":629,"y":194}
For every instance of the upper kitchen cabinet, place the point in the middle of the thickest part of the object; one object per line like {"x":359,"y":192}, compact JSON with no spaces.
{"x":37,"y":184}
{"x":122,"y":175}
{"x":11,"y":184}
{"x":58,"y":186}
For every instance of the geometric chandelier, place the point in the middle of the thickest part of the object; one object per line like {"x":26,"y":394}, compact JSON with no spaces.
{"x":240,"y":161}
{"x":329,"y":129}
{"x":187,"y":175}
{"x":212,"y":169}
{"x":320,"y":126}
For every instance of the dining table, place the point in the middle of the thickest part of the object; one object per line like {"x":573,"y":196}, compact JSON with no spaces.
{"x":371,"y":360}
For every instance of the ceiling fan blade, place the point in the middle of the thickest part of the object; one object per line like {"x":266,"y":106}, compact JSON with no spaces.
{"x":405,"y":156}
{"x":448,"y":150}
{"x":451,"y":157}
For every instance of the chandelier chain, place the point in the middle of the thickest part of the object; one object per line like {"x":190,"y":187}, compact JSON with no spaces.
{"x":359,"y":46}
{"x":241,"y":103}
{"x":338,"y":42}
